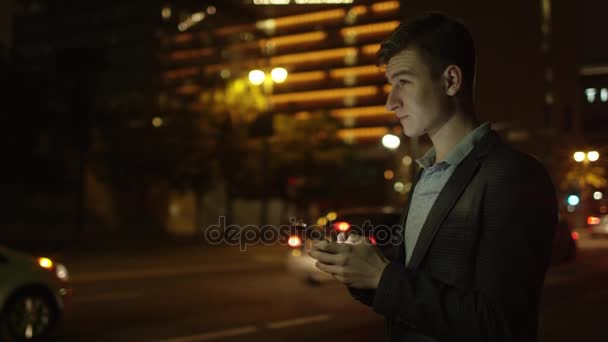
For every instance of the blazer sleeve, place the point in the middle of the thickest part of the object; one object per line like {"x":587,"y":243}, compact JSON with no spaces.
{"x":516,"y":231}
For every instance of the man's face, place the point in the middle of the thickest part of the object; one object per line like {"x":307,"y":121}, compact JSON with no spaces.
{"x":417,"y":99}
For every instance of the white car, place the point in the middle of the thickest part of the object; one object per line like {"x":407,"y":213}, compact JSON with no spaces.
{"x":34,"y":295}
{"x":299,"y":263}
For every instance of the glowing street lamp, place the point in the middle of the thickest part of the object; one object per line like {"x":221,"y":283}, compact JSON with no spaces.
{"x":391,"y":141}
{"x":278,"y":75}
{"x":593,"y":156}
{"x":579,"y":156}
{"x":256,"y":77}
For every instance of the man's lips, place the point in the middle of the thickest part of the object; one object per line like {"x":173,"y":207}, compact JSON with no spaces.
{"x":401,"y":117}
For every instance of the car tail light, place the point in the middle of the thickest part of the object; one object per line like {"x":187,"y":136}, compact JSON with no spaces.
{"x":372,"y":240}
{"x":591,"y":220}
{"x":294,"y":241}
{"x":341,"y":226}
{"x":574,"y":236}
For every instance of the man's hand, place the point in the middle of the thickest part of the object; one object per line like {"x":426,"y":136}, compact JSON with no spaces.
{"x":356,"y":263}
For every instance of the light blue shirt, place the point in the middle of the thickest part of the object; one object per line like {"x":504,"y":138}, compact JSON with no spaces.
{"x":432,"y":180}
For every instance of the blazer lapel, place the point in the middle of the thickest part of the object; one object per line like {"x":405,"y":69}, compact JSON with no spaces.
{"x":448,"y":196}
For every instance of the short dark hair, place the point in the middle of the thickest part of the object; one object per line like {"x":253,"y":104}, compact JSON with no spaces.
{"x":440,"y":39}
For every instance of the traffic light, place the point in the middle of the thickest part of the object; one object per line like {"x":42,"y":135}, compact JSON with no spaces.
{"x":573,"y":199}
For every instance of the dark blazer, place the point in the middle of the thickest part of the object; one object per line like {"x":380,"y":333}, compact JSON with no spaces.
{"x":477,"y":270}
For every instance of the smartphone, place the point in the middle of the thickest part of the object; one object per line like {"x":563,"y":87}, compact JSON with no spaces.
{"x":321,"y":233}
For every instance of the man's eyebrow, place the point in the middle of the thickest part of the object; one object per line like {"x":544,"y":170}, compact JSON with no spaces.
{"x":401,"y":72}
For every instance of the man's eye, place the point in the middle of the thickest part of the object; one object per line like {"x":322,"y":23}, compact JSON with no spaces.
{"x":402,"y":82}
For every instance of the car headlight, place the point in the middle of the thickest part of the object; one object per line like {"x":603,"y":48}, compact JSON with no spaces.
{"x":62,"y":272}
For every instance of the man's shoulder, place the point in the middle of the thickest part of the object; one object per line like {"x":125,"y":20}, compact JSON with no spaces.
{"x":504,"y":159}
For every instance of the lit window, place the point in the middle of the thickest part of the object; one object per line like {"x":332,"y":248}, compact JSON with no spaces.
{"x":590,"y":93}
{"x":604,"y":94}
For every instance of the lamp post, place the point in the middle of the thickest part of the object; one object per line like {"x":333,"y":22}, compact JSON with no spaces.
{"x":260,"y":78}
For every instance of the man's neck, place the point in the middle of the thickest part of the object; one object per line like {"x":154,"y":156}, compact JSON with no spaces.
{"x":451,"y":133}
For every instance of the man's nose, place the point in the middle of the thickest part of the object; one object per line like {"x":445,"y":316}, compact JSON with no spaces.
{"x":392,"y":104}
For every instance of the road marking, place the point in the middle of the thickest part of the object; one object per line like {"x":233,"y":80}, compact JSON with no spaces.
{"x":162,"y":272}
{"x":249,"y":329}
{"x":213,"y":335}
{"x":106,"y":297}
{"x":298,"y":321}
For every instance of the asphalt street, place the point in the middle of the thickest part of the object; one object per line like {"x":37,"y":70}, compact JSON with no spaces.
{"x":202,"y":293}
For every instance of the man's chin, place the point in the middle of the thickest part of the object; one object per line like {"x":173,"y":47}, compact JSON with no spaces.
{"x":411,"y":133}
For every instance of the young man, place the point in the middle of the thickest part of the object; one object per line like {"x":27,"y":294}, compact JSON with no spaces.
{"x":479,"y":224}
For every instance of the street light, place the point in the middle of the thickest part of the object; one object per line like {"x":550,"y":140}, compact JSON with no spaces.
{"x":579,"y":156}
{"x":278,"y":75}
{"x":391,"y":141}
{"x":593,"y":156}
{"x":586,"y":157}
{"x":257,"y":77}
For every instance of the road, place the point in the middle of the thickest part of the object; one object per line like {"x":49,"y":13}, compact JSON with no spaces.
{"x":204,"y":293}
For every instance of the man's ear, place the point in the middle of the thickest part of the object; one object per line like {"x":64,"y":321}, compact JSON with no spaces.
{"x":452,"y":78}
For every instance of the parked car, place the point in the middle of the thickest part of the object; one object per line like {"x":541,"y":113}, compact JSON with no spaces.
{"x":597,"y":225}
{"x":34,"y":295}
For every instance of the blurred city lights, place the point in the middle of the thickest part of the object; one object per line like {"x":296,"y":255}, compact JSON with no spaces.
{"x":593,"y":220}
{"x":407,"y":160}
{"x":211,"y":10}
{"x":322,"y":221}
{"x":604,"y":94}
{"x":331,"y":216}
{"x":399,"y":187}
{"x":389,"y":174}
{"x":391,"y":141}
{"x":294,"y":241}
{"x":157,"y":122}
{"x":579,"y":156}
{"x":590,"y":93}
{"x":225,"y":73}
{"x":166,"y":13}
{"x":278,"y":75}
{"x":571,"y":208}
{"x":593,"y":155}
{"x":256,"y":77}
{"x":598,"y":195}
{"x":191,"y":21}
{"x":573,"y":200}
{"x":198,"y":16}
{"x":45,"y":262}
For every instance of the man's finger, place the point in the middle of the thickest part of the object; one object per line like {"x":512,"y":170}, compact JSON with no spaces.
{"x":329,"y":246}
{"x":327,"y":258}
{"x":331,"y":269}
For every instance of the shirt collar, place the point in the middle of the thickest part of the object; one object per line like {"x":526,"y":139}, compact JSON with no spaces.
{"x":460,"y":151}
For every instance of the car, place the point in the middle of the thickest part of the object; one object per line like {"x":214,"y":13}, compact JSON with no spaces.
{"x":597,"y":225}
{"x":34,"y":296}
{"x":371,"y":222}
